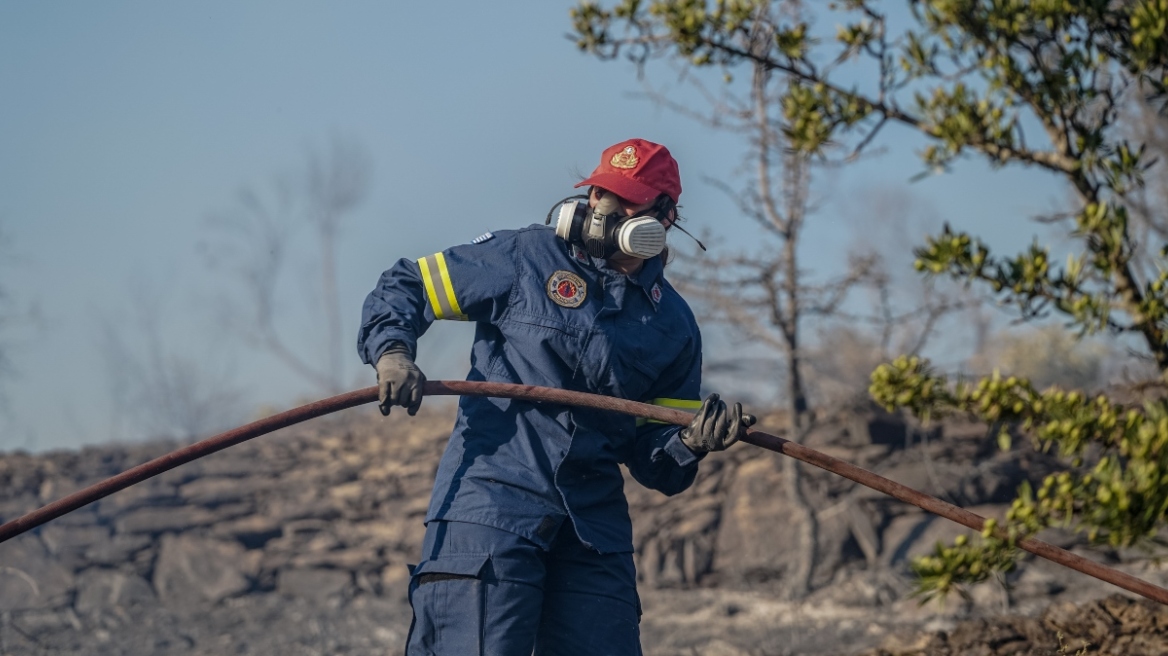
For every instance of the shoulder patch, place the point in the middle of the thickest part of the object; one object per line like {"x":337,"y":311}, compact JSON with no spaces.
{"x":486,"y":236}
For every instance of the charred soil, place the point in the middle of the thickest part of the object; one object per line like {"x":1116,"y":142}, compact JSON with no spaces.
{"x":297,"y":543}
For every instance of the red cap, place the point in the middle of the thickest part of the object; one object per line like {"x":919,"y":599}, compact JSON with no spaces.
{"x":637,"y":170}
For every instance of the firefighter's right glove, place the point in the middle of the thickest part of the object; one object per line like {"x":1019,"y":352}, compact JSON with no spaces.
{"x":399,"y":380}
{"x":716,"y":426}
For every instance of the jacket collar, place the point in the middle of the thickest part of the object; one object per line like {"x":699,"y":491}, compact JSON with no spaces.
{"x":649,"y":278}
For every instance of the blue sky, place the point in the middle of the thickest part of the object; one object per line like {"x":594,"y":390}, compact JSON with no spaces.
{"x":123,"y":125}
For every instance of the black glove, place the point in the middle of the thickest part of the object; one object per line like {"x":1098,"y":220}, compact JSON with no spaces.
{"x":399,"y":380}
{"x":716,"y":426}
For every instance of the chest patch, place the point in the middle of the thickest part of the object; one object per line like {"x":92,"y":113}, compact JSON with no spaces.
{"x":567,"y":289}
{"x":655,"y":293}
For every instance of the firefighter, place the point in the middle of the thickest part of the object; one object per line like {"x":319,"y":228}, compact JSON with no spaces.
{"x":528,"y":544}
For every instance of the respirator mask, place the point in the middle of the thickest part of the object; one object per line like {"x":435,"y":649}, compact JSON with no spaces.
{"x":604,"y":231}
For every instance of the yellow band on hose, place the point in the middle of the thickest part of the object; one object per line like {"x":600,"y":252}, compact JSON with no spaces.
{"x":679,"y":404}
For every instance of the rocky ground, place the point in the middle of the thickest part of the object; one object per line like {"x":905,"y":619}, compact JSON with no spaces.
{"x":297,"y":543}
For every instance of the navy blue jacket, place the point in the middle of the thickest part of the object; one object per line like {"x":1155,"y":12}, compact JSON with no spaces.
{"x":548,"y":314}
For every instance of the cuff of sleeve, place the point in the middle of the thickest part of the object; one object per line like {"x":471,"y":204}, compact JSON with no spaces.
{"x":680,"y":452}
{"x":376,"y":347}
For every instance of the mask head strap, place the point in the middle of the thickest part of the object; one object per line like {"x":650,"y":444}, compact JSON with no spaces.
{"x":548,"y":219}
{"x":662,"y":208}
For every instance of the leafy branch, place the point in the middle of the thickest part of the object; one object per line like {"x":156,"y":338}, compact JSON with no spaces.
{"x":1114,"y":490}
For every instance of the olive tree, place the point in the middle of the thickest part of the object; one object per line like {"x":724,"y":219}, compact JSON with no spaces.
{"x":1035,"y":83}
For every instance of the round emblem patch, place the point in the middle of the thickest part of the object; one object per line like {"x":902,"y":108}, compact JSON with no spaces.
{"x":567,"y":289}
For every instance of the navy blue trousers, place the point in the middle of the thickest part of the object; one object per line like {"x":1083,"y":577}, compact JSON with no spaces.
{"x":482,"y":591}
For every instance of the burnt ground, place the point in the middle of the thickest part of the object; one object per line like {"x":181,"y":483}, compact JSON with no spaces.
{"x":297,"y":543}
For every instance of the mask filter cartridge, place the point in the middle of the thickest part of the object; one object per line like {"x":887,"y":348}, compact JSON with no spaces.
{"x":641,"y":236}
{"x":570,"y":216}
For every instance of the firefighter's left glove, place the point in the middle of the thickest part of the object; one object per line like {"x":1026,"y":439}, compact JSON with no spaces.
{"x":399,"y":380}
{"x":716,"y":426}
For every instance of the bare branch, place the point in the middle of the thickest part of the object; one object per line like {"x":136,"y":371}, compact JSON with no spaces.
{"x":253,"y":244}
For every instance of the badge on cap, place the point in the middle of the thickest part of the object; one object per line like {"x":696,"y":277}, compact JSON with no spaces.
{"x":655,"y":293}
{"x":625,"y":159}
{"x":567,"y":289}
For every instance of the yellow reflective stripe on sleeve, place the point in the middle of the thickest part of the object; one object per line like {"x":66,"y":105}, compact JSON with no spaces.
{"x":679,"y":404}
{"x":439,"y":289}
{"x":428,"y":282}
{"x":449,"y":286}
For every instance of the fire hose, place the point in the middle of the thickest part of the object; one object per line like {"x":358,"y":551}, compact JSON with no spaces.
{"x":758,"y":438}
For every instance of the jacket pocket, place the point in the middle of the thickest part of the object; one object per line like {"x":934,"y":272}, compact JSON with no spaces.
{"x":641,"y":355}
{"x":448,"y":595}
{"x":532,"y":320}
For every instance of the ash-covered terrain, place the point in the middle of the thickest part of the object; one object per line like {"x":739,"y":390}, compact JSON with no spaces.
{"x":297,"y":543}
